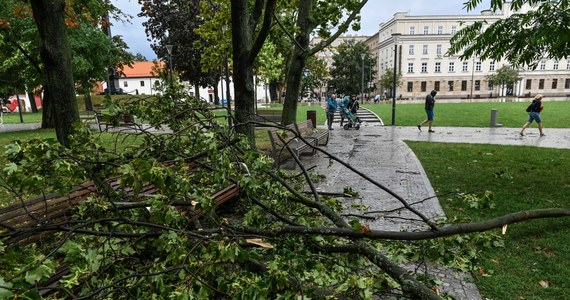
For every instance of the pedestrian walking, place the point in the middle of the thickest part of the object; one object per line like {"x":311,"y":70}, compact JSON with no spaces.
{"x":534,"y":110}
{"x":332,"y":106}
{"x":430,"y":103}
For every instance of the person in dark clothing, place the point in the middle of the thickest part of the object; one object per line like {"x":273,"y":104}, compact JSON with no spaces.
{"x":352,"y":106}
{"x":534,"y":114}
{"x":430,"y":103}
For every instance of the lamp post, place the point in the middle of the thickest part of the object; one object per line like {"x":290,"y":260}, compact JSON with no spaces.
{"x":169,"y":49}
{"x":472,"y":77}
{"x":228,"y":96}
{"x":395,"y":36}
{"x":362,"y":78}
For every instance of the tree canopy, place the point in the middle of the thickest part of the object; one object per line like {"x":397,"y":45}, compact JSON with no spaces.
{"x":522,"y":38}
{"x":349,"y":67}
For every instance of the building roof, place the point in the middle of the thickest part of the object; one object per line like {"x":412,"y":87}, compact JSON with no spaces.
{"x":142,"y":69}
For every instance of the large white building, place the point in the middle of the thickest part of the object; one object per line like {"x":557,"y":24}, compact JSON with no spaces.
{"x":422,"y":43}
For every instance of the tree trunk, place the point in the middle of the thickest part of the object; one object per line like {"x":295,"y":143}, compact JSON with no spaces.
{"x":33,"y":105}
{"x":56,"y":56}
{"x":243,"y":68}
{"x":297,"y":62}
{"x":197,"y":90}
{"x":216,"y":96}
{"x":87,"y":99}
{"x":274,"y":91}
{"x":47,"y":106}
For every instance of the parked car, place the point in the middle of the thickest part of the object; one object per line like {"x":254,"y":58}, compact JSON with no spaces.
{"x":114,"y":91}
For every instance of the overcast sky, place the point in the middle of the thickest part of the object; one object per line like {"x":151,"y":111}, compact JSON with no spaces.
{"x":373,"y":13}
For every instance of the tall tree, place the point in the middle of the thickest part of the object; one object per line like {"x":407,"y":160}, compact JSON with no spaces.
{"x":521,"y":38}
{"x":250,"y":27}
{"x":387,"y":81}
{"x":321,"y":16}
{"x":504,"y":77}
{"x":349,"y":68}
{"x":175,"y":23}
{"x":55,"y":52}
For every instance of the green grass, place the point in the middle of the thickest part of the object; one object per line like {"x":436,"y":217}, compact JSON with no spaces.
{"x":520,"y":178}
{"x":28,"y":117}
{"x":474,"y":114}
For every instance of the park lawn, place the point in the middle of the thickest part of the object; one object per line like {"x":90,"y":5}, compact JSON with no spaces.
{"x":474,"y":114}
{"x":521,"y":178}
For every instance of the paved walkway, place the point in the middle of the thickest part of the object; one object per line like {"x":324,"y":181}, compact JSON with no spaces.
{"x":19,"y":127}
{"x":380,"y":153}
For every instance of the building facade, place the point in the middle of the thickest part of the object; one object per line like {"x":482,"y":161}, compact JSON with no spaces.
{"x":422,"y":45}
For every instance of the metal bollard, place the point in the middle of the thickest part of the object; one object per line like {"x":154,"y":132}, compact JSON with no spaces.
{"x":494,"y":116}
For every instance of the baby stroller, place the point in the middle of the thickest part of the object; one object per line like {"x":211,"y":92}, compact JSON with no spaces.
{"x":353,"y":120}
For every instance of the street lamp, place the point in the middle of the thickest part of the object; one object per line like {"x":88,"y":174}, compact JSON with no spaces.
{"x":362,"y":79}
{"x":472,"y":75}
{"x":395,"y":36}
{"x":169,"y":49}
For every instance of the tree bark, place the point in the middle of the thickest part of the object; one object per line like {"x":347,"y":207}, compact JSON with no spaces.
{"x":55,"y":52}
{"x":245,"y":49}
{"x":33,"y":105}
{"x":274,"y":91}
{"x":297,"y":62}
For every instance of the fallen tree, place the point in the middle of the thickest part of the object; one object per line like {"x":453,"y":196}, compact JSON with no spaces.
{"x":275,"y":241}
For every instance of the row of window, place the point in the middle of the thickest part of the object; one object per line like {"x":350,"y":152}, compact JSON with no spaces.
{"x":477,"y":66}
{"x":477,"y":85}
{"x":439,"y":30}
{"x":451,"y":67}
{"x":126,"y":83}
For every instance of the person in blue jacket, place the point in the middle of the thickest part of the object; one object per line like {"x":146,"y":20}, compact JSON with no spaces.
{"x":332,"y":106}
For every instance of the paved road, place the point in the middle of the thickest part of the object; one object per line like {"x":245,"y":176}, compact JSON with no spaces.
{"x":380,"y":153}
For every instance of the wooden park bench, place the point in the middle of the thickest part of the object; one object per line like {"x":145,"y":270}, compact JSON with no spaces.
{"x":268,"y":115}
{"x":21,"y":223}
{"x":125,"y":120}
{"x":280,"y":139}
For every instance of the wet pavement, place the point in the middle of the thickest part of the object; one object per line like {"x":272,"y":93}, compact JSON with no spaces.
{"x":381,"y":153}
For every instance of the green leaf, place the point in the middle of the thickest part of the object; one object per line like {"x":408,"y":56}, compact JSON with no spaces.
{"x":5,"y":293}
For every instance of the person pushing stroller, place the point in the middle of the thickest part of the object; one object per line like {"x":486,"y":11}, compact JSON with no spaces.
{"x":348,"y":110}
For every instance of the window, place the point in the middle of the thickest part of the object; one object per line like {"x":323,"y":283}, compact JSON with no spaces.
{"x":543,"y":65}
{"x":463,"y":85}
{"x":490,"y":87}
{"x":439,"y":29}
{"x":410,"y":86}
{"x":125,"y":84}
{"x":424,"y":67}
{"x":411,"y":49}
{"x":478,"y":66}
{"x":410,"y":67}
{"x":453,"y":29}
{"x":567,"y":83}
{"x":423,"y":86}
{"x":554,"y":83}
{"x":528,"y":84}
{"x":412,"y":30}
{"x":451,"y":66}
{"x":477,"y":85}
{"x":438,"y":49}
{"x":426,"y":29}
{"x":438,"y":67}
{"x":465,"y":67}
{"x":450,"y":86}
{"x":492,"y":65}
{"x":568,"y":64}
{"x":425,"y":49}
{"x":541,"y":84}
{"x":436,"y":86}
{"x":555,"y":66}
{"x":142,"y":82}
